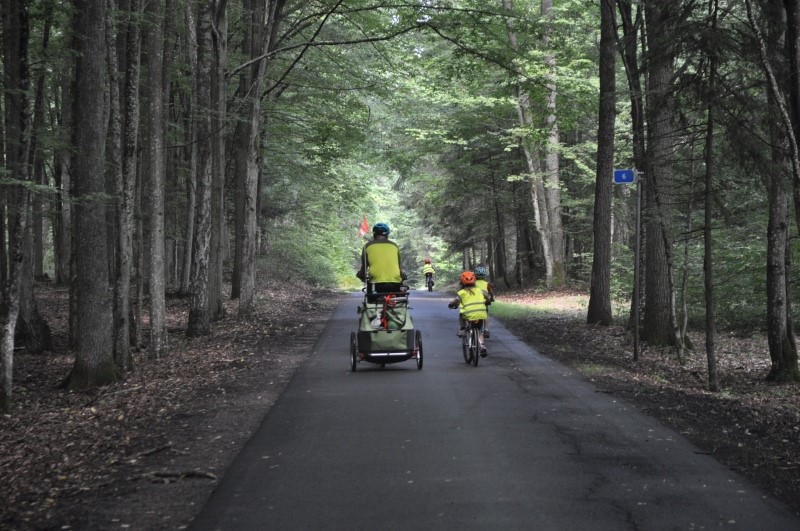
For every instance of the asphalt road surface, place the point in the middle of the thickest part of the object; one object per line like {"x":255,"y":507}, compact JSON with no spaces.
{"x":518,"y":442}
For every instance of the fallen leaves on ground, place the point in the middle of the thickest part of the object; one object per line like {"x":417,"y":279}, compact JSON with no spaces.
{"x":70,"y":459}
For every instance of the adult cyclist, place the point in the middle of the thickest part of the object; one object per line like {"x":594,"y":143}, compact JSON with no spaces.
{"x":380,"y":263}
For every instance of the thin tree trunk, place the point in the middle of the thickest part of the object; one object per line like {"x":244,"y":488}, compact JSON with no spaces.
{"x":32,"y":331}
{"x":137,"y":306}
{"x":218,"y":218}
{"x":64,"y":241}
{"x":126,"y":192}
{"x":199,"y":318}
{"x":708,"y":197}
{"x":191,"y":46}
{"x":37,"y":154}
{"x":552,"y":180}
{"x":170,"y":156}
{"x":156,"y":164}
{"x":631,"y":26}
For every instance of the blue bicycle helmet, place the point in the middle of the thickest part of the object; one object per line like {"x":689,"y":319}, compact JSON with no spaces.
{"x":480,"y":272}
{"x":380,"y":228}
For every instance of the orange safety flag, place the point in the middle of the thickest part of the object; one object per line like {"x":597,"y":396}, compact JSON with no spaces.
{"x":364,"y":227}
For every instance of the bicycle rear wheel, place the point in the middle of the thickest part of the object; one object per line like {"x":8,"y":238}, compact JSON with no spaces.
{"x":465,"y":346}
{"x":475,"y":345}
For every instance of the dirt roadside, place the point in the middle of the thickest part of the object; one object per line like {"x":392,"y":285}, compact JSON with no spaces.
{"x":145,"y":453}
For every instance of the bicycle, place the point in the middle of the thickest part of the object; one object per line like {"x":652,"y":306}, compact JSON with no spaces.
{"x":470,"y":341}
{"x":429,"y":282}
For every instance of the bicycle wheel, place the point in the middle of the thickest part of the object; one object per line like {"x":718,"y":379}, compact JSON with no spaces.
{"x":419,"y":349}
{"x":353,"y":351}
{"x":465,"y":346}
{"x":475,"y":345}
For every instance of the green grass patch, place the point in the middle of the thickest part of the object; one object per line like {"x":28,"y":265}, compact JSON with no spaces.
{"x":591,"y":368}
{"x":538,"y":308}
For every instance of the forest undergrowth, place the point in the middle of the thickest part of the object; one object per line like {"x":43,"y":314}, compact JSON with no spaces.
{"x":146,"y":452}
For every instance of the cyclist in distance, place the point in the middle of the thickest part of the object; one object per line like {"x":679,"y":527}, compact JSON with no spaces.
{"x":471,"y":302}
{"x":428,"y":271}
{"x":380,"y":263}
{"x":482,"y":283}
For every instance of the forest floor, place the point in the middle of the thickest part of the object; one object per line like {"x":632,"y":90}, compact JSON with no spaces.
{"x":146,"y":452}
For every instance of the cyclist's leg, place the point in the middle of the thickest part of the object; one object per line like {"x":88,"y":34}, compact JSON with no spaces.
{"x":481,"y":341}
{"x":461,"y":325}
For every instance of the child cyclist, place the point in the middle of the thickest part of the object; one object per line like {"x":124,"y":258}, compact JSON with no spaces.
{"x":471,"y":302}
{"x":484,"y":285}
{"x":428,"y":271}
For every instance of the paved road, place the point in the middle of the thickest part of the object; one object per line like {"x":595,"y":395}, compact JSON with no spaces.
{"x":519,"y":442}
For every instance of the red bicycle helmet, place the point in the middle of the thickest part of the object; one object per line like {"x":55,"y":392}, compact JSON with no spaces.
{"x":468,"y":278}
{"x":427,"y":260}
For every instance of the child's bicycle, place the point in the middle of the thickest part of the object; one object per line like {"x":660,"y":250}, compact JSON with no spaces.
{"x":429,"y":282}
{"x":470,"y":341}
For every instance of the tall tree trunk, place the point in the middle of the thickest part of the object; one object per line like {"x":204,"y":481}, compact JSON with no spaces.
{"x":247,"y":241}
{"x":538,"y":194}
{"x":191,"y":47}
{"x":629,"y":51}
{"x":199,"y":318}
{"x":659,"y":306}
{"x":552,"y":179}
{"x":500,"y":254}
{"x":792,"y":8}
{"x":599,"y":311}
{"x":708,"y":198}
{"x":156,"y":164}
{"x":137,"y":306}
{"x":94,"y":361}
{"x":218,"y":218}
{"x":37,"y":154}
{"x":780,"y":333}
{"x":114,"y":150}
{"x":253,"y":16}
{"x":17,"y":145}
{"x":246,"y":148}
{"x":126,"y":191}
{"x":32,"y":331}
{"x":63,"y":242}
{"x":170,"y":156}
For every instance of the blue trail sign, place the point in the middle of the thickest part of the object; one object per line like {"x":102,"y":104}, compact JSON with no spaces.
{"x":624,"y":176}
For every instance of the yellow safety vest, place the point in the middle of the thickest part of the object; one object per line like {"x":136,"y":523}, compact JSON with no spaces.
{"x":473,"y":303}
{"x":483,"y":285}
{"x":383,"y":261}
{"x":427,"y":268}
